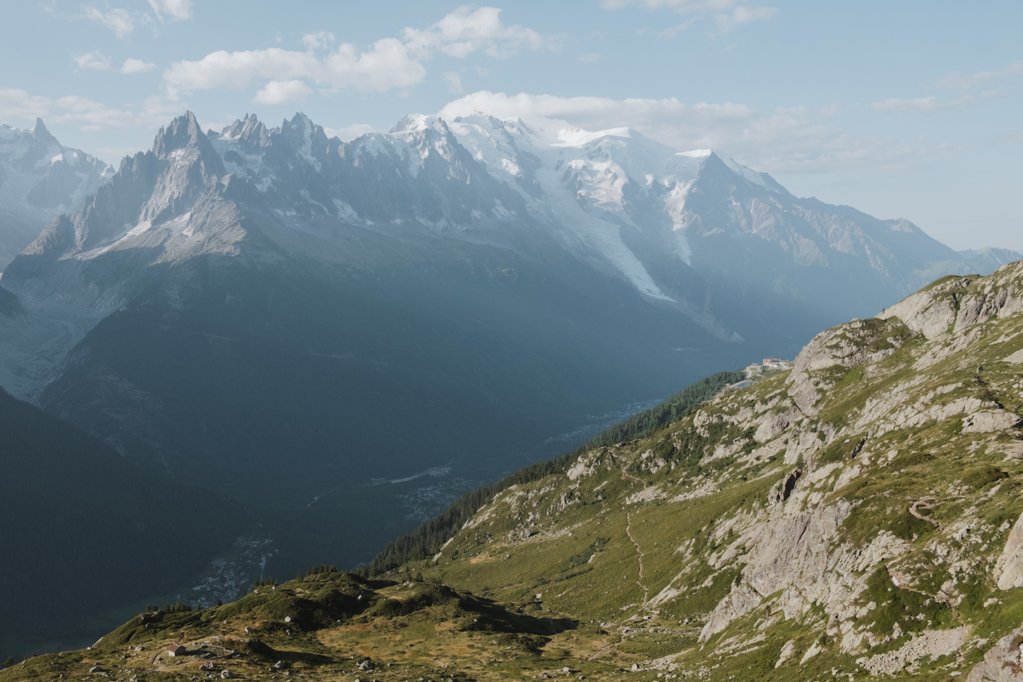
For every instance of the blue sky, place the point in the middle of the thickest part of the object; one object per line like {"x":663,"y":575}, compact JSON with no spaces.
{"x":902,"y":109}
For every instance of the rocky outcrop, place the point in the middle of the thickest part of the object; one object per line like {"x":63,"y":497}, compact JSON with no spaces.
{"x":958,"y":302}
{"x":1003,"y":662}
{"x":788,"y":554}
{"x":1009,"y":566}
{"x":990,"y":421}
{"x":837,"y":350}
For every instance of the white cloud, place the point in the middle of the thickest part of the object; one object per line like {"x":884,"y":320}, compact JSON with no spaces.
{"x":914,"y":104}
{"x":17,"y":104}
{"x":120,"y":21}
{"x":959,"y":90}
{"x":727,"y":14}
{"x":588,"y":58}
{"x":224,"y":69}
{"x":387,"y":64}
{"x":930,"y":103}
{"x":178,"y":10}
{"x":124,"y":22}
{"x":982,"y":78}
{"x":319,"y":41}
{"x":279,"y":92}
{"x":454,"y":81}
{"x":680,"y":6}
{"x":466,"y":30}
{"x":133,"y":66}
{"x":793,"y":139}
{"x":92,"y":61}
{"x":742,"y":15}
{"x":662,"y":115}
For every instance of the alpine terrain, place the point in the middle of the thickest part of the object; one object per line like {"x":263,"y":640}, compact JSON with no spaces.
{"x":324,"y":332}
{"x":855,"y":513}
{"x":39,"y":179}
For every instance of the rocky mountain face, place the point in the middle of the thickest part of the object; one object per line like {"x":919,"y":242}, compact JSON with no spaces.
{"x":854,"y":514}
{"x":39,"y":179}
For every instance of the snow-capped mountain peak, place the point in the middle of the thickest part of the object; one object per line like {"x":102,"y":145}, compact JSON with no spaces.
{"x":42,"y":134}
{"x":181,"y":133}
{"x":40,"y":178}
{"x":248,"y":129}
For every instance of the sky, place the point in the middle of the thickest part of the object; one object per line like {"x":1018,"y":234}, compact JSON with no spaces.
{"x":902,"y":109}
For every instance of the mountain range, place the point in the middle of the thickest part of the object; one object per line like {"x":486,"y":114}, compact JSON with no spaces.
{"x":324,"y":332}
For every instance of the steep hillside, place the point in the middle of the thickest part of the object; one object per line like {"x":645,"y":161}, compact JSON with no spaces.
{"x":85,"y":535}
{"x":9,"y":305}
{"x":857,"y":515}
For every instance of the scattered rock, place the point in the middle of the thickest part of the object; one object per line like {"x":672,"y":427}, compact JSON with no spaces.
{"x":930,"y":644}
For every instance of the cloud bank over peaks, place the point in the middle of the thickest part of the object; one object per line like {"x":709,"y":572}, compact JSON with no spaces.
{"x":390,"y":63}
{"x":785,"y":140}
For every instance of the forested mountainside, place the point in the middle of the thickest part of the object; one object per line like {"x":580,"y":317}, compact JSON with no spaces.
{"x":86,"y":533}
